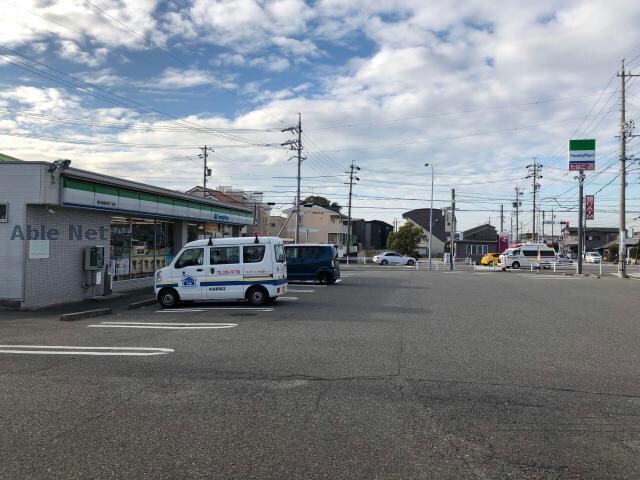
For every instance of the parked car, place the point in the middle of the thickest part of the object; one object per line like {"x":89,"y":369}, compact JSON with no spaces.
{"x":312,"y":262}
{"x":592,"y":257}
{"x":224,"y":269}
{"x":528,"y":254}
{"x":393,"y":258}
{"x":490,"y":259}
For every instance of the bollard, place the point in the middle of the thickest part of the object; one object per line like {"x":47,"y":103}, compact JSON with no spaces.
{"x":601,"y":267}
{"x":554,"y":267}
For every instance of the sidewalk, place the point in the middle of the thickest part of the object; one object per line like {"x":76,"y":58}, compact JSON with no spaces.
{"x":118,"y":302}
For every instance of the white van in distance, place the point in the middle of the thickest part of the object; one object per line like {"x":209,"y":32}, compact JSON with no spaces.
{"x":527,"y":254}
{"x":246,"y":268}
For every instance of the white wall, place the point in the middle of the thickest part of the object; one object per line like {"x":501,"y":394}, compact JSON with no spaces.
{"x":20,"y":183}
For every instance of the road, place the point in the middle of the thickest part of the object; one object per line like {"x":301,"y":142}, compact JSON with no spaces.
{"x":391,"y":374}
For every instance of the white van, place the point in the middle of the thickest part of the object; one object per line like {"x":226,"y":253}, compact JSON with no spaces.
{"x":526,"y":255}
{"x":224,"y":269}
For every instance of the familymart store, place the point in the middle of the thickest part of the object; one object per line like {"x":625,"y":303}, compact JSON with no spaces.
{"x":68,"y":234}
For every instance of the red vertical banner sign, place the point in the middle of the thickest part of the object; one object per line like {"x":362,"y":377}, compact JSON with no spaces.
{"x":590,"y":207}
{"x":503,"y":243}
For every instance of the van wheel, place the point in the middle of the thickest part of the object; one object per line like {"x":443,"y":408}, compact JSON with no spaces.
{"x":515,"y":265}
{"x":168,"y":298}
{"x":324,"y":277}
{"x":384,"y":262}
{"x":257,"y":296}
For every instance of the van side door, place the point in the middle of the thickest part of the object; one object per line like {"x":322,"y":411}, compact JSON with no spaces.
{"x":224,"y":273}
{"x":293,"y":262}
{"x":189,"y":273}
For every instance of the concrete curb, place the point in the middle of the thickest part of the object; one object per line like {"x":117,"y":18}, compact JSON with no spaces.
{"x":67,"y":317}
{"x":142,"y":303}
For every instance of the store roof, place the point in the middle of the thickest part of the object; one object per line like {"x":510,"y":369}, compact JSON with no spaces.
{"x":79,"y":174}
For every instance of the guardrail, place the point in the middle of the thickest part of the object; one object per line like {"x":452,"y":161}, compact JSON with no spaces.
{"x":459,"y":264}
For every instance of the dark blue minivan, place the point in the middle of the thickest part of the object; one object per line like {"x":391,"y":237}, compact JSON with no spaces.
{"x":312,"y":261}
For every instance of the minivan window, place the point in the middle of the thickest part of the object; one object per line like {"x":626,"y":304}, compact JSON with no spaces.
{"x":311,"y":252}
{"x":292,"y":252}
{"x":190,"y":258}
{"x":224,"y":255}
{"x":253,"y":253}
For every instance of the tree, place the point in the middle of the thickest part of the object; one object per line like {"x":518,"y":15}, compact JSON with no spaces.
{"x":406,"y":239}
{"x":321,"y":201}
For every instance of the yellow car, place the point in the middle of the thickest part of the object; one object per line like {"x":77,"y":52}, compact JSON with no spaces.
{"x":491,"y":259}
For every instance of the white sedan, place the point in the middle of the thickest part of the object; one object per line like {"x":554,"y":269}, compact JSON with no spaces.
{"x":393,"y":258}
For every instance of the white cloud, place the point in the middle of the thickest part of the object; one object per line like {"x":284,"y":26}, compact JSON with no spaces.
{"x":70,"y":51}
{"x":427,"y":59}
{"x":271,"y":63}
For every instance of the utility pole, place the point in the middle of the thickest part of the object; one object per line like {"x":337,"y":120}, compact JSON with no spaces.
{"x":542,"y":228}
{"x":352,"y":169}
{"x":296,"y":145}
{"x":206,"y":171}
{"x":517,"y":204}
{"x":553,"y":221}
{"x":534,"y":175}
{"x":626,"y":131}
{"x":430,"y":213}
{"x":501,"y":218}
{"x":511,"y":235}
{"x":453,"y":228}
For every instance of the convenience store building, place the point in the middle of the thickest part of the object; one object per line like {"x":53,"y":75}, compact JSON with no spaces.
{"x":68,"y":234}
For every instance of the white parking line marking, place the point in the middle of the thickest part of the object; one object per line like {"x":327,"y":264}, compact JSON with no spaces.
{"x":339,"y":280}
{"x":203,"y":309}
{"x":300,"y":291}
{"x":288,"y":298}
{"x":547,"y":277}
{"x":95,"y":351}
{"x":165,"y":326}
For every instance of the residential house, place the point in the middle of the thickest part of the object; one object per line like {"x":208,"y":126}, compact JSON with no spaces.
{"x":318,"y":225}
{"x":476,"y":242}
{"x":612,"y":248}
{"x":371,"y":234}
{"x":420,"y":217}
{"x":595,"y":239}
{"x":252,"y":200}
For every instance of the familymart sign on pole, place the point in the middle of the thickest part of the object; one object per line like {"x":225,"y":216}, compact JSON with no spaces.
{"x":582,"y":154}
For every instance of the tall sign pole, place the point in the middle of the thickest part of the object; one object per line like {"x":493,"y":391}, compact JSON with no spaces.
{"x":580,"y":238}
{"x":453,"y":228}
{"x":582,"y":156}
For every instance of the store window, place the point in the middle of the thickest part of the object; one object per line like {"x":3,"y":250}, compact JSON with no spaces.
{"x":142,"y":247}
{"x":120,"y":247}
{"x":165,"y":235}
{"x":194,"y":231}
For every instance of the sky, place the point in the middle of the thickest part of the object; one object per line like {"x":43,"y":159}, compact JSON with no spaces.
{"x":476,"y":89}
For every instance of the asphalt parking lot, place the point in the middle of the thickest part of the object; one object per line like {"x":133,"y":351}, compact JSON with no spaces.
{"x":392,"y":373}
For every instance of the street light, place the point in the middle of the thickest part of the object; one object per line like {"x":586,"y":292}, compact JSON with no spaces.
{"x":430,"y":213}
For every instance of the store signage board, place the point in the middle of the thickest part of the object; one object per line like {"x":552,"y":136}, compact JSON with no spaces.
{"x":582,"y":154}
